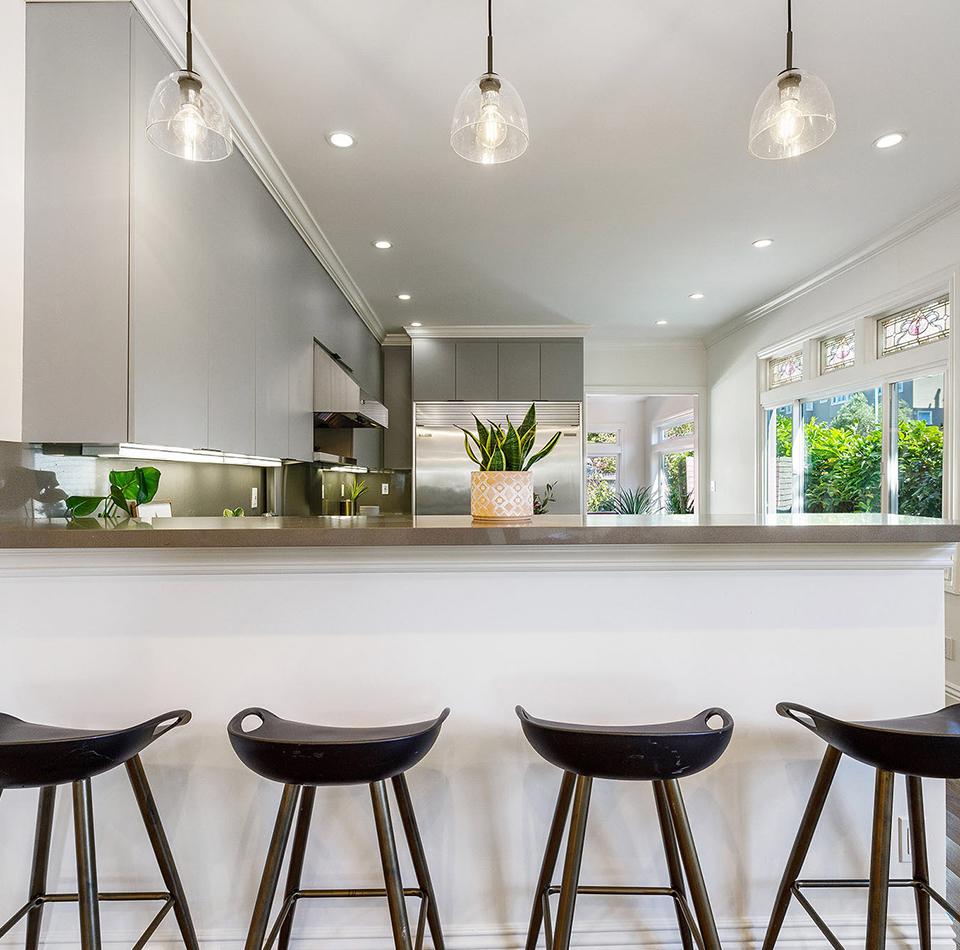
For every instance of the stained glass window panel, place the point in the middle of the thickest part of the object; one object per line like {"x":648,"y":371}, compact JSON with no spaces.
{"x":913,"y":327}
{"x":786,"y":369}
{"x":837,"y":352}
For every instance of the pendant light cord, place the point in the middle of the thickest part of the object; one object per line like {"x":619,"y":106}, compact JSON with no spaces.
{"x":189,"y":38}
{"x":489,"y":36}
{"x":789,"y":33}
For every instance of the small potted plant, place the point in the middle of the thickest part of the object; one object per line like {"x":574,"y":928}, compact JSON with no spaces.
{"x":502,"y":490}
{"x":348,"y":506}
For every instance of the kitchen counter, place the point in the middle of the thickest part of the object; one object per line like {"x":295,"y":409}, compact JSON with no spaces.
{"x":441,"y":530}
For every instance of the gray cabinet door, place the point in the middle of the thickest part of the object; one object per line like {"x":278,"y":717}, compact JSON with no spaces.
{"x":477,"y":373}
{"x":76,"y":226}
{"x":519,"y":365}
{"x":173,"y":253}
{"x":398,"y":438}
{"x":561,"y":370}
{"x":434,"y":370}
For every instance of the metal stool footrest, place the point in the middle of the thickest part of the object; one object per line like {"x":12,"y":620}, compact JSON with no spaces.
{"x":826,"y":883}
{"x":41,"y":899}
{"x":340,"y":892}
{"x":622,"y":891}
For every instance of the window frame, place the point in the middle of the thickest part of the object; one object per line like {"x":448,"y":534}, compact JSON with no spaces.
{"x":603,"y":450}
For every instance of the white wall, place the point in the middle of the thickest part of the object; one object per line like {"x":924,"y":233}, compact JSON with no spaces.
{"x":669,"y":366}
{"x":627,"y":413}
{"x":12,"y":54}
{"x":731,"y":362}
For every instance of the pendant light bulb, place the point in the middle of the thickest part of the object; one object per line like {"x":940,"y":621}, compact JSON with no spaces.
{"x":184,"y":118}
{"x":794,"y":114}
{"x":490,"y":122}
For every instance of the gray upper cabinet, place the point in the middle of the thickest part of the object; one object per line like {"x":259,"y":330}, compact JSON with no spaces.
{"x":397,"y":389}
{"x":519,"y":367}
{"x":477,"y":374}
{"x":561,"y":370}
{"x":76,"y":223}
{"x":434,"y":370}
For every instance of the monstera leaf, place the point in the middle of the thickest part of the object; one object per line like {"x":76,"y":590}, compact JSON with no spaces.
{"x":127,"y":489}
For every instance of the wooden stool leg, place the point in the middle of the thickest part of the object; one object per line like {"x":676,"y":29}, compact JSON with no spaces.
{"x":674,"y":869}
{"x":297,"y":854}
{"x":415,"y":844}
{"x":41,"y":857}
{"x":571,"y":866}
{"x":162,"y":851}
{"x":918,"y":846}
{"x":691,"y":865}
{"x":271,"y":868}
{"x":880,"y":862}
{"x":86,"y":865}
{"x":391,"y":866}
{"x":801,"y":845}
{"x":550,"y":854}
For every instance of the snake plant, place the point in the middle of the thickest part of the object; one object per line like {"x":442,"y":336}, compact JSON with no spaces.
{"x":496,"y":450}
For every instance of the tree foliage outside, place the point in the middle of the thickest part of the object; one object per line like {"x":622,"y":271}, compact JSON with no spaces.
{"x":679,"y":500}
{"x":844,"y":461}
{"x":601,"y":482}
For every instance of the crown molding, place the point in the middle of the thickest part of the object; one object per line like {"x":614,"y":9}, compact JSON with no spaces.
{"x":396,"y":339}
{"x":940,"y":209}
{"x":499,"y":332}
{"x":166,"y":19}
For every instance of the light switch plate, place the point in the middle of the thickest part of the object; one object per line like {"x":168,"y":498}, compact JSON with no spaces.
{"x":385,"y":488}
{"x":253,"y":497}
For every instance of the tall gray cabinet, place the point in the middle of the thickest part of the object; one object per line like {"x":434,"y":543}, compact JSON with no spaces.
{"x":166,"y":302}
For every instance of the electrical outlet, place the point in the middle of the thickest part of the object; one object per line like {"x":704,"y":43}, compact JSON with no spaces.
{"x":903,"y":840}
{"x":253,"y":497}
{"x":948,"y":648}
{"x":713,"y":485}
{"x":385,"y":488}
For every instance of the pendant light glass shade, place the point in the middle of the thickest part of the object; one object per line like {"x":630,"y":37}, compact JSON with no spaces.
{"x":489,"y":122}
{"x":187,"y":120}
{"x":795,"y":114}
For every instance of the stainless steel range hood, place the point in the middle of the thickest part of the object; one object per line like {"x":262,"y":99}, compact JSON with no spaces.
{"x":338,"y":400}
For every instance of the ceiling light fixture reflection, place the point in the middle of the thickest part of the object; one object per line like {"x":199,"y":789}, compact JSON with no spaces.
{"x":889,"y":140}
{"x":383,"y":245}
{"x":763,"y":242}
{"x":185,"y":119}
{"x":416,"y":324}
{"x":696,"y":295}
{"x":341,"y":139}
{"x":794,"y":114}
{"x":403,"y":297}
{"x":489,"y":122}
{"x":661,"y":323}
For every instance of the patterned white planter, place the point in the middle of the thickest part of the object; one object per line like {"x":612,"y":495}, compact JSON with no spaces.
{"x":501,"y":496}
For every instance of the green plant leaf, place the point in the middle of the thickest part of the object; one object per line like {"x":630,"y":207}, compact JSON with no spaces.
{"x":120,"y":499}
{"x":544,"y":452}
{"x":497,"y":461}
{"x":124,"y":482}
{"x":80,"y":506}
{"x":147,"y":483}
{"x":513,"y":458}
{"x":529,"y":421}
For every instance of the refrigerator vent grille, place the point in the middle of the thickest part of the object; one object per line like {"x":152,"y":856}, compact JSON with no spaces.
{"x":437,"y":414}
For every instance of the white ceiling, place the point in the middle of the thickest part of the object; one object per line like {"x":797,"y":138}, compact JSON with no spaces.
{"x":637,"y":187}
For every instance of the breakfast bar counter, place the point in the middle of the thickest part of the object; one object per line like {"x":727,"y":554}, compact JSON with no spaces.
{"x":372,"y":621}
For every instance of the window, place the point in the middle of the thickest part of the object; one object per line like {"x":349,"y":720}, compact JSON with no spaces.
{"x":837,"y":352}
{"x":843,"y":453}
{"x":779,"y":460}
{"x":603,"y":468}
{"x":675,"y":459}
{"x":917,"y":488}
{"x":785,"y":369}
{"x":918,"y":325}
{"x":675,"y":430}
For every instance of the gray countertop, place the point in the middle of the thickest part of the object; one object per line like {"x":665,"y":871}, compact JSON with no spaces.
{"x":404,"y":530}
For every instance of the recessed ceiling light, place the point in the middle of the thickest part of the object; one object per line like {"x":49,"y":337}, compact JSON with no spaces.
{"x":661,"y":323}
{"x":403,"y":296}
{"x":415,"y":324}
{"x":696,"y":295}
{"x":383,"y":245}
{"x":763,"y":242}
{"x":341,"y":139}
{"x":889,"y":140}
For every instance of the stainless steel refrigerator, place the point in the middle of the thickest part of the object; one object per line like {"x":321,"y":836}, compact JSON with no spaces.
{"x":442,"y":468}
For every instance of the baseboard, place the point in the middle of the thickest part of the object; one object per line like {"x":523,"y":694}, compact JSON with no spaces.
{"x":798,"y":934}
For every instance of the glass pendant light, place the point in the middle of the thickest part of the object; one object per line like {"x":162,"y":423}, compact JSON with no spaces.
{"x":490,"y":122}
{"x":795,"y":113}
{"x":184,"y":118}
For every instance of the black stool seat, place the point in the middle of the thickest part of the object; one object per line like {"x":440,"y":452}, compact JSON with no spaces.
{"x":34,"y":756}
{"x":927,"y":745}
{"x":299,"y":753}
{"x":657,"y":752}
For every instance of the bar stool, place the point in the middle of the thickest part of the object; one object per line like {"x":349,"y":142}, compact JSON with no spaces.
{"x":917,"y":747}
{"x":302,"y":756}
{"x":660,"y":754}
{"x":35,"y":756}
